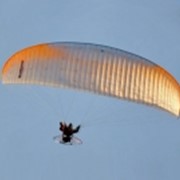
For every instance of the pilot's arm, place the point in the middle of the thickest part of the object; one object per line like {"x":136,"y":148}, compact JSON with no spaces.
{"x":76,"y":130}
{"x":61,"y":128}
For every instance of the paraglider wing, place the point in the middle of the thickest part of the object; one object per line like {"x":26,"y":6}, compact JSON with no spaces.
{"x":95,"y":68}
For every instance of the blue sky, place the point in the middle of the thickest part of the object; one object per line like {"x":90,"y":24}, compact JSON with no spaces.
{"x":121,"y":140}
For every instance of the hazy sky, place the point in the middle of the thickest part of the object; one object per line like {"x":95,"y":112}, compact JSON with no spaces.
{"x":121,"y":140}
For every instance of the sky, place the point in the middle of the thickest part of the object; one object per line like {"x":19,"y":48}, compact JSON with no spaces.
{"x":121,"y":140}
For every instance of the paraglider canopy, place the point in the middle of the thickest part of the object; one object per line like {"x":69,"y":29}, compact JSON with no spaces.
{"x":95,"y":68}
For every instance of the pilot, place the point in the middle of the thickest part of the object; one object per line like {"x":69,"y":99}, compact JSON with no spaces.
{"x":68,"y":131}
